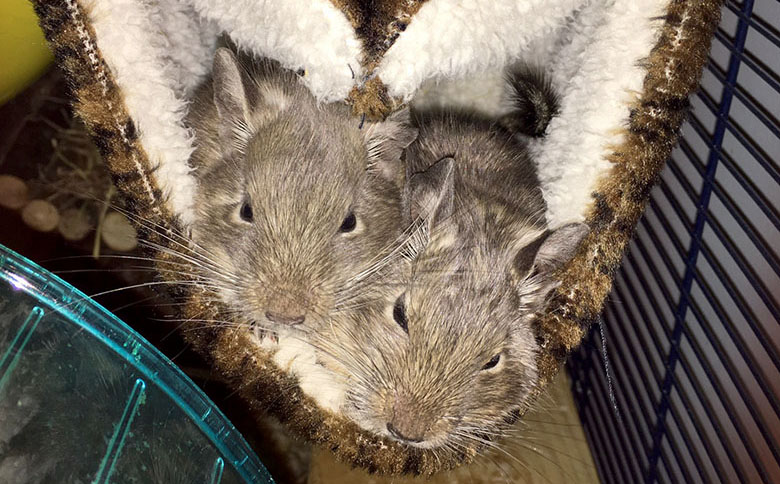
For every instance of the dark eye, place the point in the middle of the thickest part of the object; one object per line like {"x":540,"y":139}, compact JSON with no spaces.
{"x":349,"y":223}
{"x":246,"y":213}
{"x":493,"y":362}
{"x":399,"y":314}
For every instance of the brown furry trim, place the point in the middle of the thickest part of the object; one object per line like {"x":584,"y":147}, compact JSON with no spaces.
{"x":99,"y":103}
{"x":378,"y":23}
{"x":621,"y":196}
{"x":371,"y":99}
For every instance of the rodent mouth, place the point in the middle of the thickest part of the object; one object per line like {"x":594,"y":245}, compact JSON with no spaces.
{"x":366,"y":419}
{"x":263,"y":333}
{"x":425,"y":443}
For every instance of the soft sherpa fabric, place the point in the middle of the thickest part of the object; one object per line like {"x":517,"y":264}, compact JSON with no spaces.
{"x":598,"y":74}
{"x":453,"y":39}
{"x":312,"y":35}
{"x":124,"y":61}
{"x":148,"y":73}
{"x":595,"y":69}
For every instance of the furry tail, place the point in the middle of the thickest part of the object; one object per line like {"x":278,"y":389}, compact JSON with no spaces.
{"x":534,"y":102}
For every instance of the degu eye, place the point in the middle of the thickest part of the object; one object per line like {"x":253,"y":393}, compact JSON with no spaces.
{"x":399,"y":314}
{"x":245,"y":212}
{"x":493,"y":362}
{"x":349,"y":223}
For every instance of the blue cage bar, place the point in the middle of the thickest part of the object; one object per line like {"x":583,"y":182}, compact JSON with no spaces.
{"x":693,"y":323}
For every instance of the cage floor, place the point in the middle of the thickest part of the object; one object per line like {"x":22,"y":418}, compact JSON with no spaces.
{"x":550,"y":448}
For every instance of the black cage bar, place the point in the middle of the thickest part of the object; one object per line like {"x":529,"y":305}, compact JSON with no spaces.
{"x":693,"y":323}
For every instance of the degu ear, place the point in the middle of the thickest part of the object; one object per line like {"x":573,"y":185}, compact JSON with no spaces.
{"x":430,"y":195}
{"x":386,"y":141}
{"x":559,"y":247}
{"x":229,"y":95}
{"x":550,"y":251}
{"x":537,"y":261}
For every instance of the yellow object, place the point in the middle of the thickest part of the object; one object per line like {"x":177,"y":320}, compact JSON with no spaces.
{"x":24,"y":54}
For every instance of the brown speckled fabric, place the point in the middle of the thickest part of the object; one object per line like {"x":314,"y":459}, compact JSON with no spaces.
{"x":98,"y":101}
{"x":377,"y":24}
{"x":620,"y":197}
{"x":618,"y":203}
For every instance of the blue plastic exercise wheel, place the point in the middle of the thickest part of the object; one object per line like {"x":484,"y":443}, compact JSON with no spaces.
{"x":85,"y":399}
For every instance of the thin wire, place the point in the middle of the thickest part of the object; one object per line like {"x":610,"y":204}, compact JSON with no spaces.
{"x":608,"y":371}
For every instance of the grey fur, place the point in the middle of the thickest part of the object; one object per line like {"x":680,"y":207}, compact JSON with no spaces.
{"x":474,"y":190}
{"x":302,"y":167}
{"x":533,"y":101}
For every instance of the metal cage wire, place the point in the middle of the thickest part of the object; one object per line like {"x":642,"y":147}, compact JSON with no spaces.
{"x":693,"y":323}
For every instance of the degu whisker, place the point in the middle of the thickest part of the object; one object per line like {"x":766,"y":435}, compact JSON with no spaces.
{"x":203,"y":264}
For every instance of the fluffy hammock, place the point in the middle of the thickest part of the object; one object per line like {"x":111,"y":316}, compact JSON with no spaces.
{"x":623,"y":68}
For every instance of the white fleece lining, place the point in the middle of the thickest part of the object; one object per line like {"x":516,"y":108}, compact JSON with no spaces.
{"x":480,"y":93}
{"x":191,"y":42}
{"x":158,"y":50}
{"x":453,"y":39}
{"x":97,"y":69}
{"x":591,"y":49}
{"x":296,"y":356}
{"x":134,"y":48}
{"x":598,"y":75}
{"x":301,"y":34}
